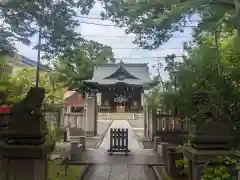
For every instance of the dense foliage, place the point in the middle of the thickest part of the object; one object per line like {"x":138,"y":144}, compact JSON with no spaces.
{"x":199,"y":71}
{"x":155,"y":21}
{"x":23,"y":19}
{"x":4,"y":76}
{"x":22,"y":79}
{"x":79,"y":64}
{"x":56,"y":23}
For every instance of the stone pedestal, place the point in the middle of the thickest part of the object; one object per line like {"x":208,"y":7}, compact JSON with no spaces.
{"x":198,"y":158}
{"x":25,"y":162}
{"x":24,"y":169}
{"x":91,"y":116}
{"x":210,"y":136}
{"x":25,"y":144}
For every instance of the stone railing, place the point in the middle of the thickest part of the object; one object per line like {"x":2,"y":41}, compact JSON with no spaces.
{"x":171,"y":129}
{"x":74,"y":120}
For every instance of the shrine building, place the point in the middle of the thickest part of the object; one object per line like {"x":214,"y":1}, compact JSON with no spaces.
{"x":120,"y":87}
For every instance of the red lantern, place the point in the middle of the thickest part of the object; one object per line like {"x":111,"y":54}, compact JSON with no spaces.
{"x":5,"y":109}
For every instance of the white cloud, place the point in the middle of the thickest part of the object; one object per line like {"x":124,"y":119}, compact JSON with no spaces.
{"x":104,"y":35}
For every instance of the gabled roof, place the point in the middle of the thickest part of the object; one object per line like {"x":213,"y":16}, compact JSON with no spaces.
{"x":137,"y":74}
{"x":68,"y":94}
{"x":121,"y":71}
{"x":73,"y":98}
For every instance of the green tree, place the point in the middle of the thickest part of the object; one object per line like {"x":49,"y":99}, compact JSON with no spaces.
{"x":199,"y":71}
{"x":79,"y":64}
{"x":4,"y":74}
{"x":23,"y":79}
{"x":155,"y":21}
{"x":21,"y":19}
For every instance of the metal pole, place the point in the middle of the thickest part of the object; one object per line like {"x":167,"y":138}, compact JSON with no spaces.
{"x":217,"y":51}
{"x":38,"y":56}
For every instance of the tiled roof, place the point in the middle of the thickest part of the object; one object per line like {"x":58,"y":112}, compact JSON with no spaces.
{"x":68,"y":94}
{"x":73,"y":98}
{"x":102,"y":72}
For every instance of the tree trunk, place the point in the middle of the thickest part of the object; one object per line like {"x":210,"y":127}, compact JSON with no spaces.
{"x":237,"y":20}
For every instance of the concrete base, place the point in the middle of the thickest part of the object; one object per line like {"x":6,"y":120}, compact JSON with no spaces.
{"x":90,"y":133}
{"x":76,"y":148}
{"x":23,"y":169}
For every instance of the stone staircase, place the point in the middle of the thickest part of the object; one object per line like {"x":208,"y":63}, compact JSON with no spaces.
{"x":121,"y":116}
{"x":139,"y":116}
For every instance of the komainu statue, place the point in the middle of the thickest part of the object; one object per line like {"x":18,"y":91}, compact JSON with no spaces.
{"x":26,"y":124}
{"x":205,"y":110}
{"x":210,"y":129}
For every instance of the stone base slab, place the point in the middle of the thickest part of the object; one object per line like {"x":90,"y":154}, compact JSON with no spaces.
{"x":27,"y":151}
{"x":24,"y":169}
{"x":201,"y":156}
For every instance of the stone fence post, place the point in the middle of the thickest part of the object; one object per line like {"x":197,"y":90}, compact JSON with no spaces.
{"x":77,"y":146}
{"x":157,"y":141}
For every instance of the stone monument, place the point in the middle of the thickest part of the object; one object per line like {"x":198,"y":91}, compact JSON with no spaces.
{"x":25,"y":144}
{"x":210,"y":135}
{"x":91,"y":114}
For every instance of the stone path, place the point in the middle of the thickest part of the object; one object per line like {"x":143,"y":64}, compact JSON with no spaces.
{"x":137,"y":157}
{"x":119,"y":167}
{"x":132,"y":141}
{"x":120,"y":172}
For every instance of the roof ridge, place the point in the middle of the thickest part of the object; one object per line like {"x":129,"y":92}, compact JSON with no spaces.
{"x":121,"y":66}
{"x":124,"y":64}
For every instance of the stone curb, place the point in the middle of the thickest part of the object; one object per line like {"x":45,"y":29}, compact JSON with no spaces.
{"x":104,"y":134}
{"x":157,"y":173}
{"x":140,"y":144}
{"x":85,"y":170}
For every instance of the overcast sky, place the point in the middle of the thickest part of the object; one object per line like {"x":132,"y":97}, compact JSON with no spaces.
{"x":107,"y":35}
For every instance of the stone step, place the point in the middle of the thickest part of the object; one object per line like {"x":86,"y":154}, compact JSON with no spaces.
{"x":121,"y":116}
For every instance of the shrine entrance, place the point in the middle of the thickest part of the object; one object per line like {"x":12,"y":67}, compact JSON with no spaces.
{"x":120,"y":98}
{"x":121,"y":102}
{"x":120,"y":87}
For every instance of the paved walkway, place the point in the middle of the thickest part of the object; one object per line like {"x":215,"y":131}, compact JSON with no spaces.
{"x":137,"y":157}
{"x":120,"y":172}
{"x":119,"y":167}
{"x":132,"y":141}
